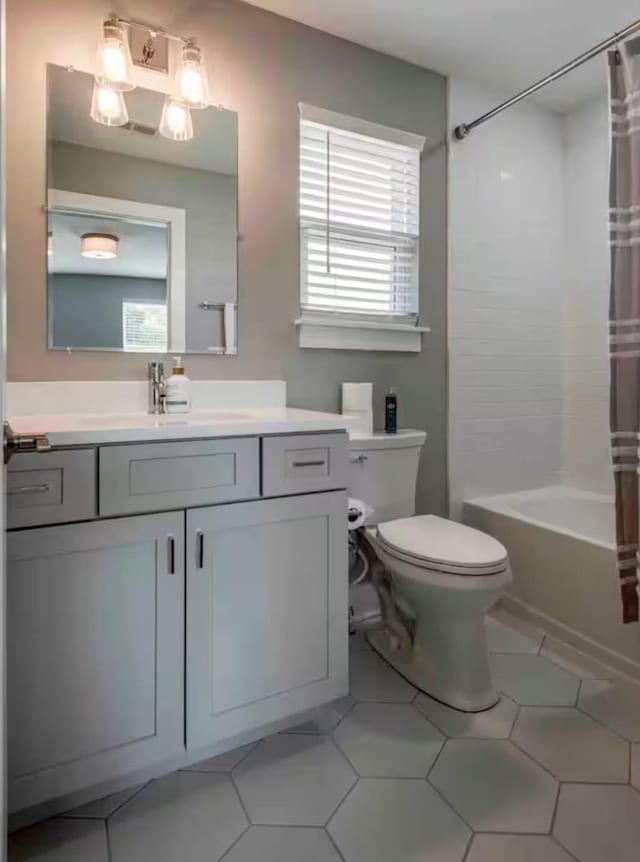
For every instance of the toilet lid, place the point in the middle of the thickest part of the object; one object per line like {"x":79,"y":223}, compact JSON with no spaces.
{"x":443,"y":544}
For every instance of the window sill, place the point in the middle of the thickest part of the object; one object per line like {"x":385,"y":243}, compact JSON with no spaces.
{"x":330,"y":333}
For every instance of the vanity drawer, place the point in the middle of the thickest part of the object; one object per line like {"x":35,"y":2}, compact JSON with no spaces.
{"x":300,"y":463}
{"x":51,"y":487}
{"x":152,"y":477}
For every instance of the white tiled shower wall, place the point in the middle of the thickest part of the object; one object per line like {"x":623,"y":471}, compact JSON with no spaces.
{"x":586,"y":381}
{"x":506,"y":305}
{"x":528,"y":292}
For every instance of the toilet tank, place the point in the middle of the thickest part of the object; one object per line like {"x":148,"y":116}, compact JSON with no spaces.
{"x":384,"y":470}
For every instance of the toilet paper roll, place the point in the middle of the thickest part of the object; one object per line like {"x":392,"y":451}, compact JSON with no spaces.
{"x":357,"y":397}
{"x":357,"y":513}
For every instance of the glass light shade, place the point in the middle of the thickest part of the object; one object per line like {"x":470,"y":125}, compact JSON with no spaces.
{"x":176,"y":123}
{"x":99,"y":246}
{"x":49,"y":243}
{"x":191,"y":83}
{"x":108,"y":106}
{"x":114,"y":67}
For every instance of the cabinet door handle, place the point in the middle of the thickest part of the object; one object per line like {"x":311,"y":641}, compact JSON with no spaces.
{"x":200,"y":550}
{"x":30,"y":489}
{"x":172,"y":555}
{"x":318,"y":463}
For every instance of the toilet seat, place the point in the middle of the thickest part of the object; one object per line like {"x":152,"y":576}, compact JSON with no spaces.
{"x":434,"y":544}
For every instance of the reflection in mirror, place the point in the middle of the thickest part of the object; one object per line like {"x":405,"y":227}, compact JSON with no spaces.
{"x":142,"y":230}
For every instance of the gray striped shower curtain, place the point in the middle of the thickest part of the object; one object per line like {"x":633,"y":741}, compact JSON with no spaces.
{"x":624,"y":314}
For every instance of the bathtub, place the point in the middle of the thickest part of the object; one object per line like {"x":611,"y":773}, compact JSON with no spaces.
{"x":560,"y":542}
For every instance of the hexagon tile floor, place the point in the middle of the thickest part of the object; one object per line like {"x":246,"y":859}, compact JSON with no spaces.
{"x":551,"y":774}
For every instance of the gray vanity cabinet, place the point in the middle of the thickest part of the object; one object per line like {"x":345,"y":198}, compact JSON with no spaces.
{"x":266,"y":612}
{"x":95,"y":645}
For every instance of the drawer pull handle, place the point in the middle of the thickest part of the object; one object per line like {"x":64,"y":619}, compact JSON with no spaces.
{"x":200,"y":550}
{"x":172,"y":555}
{"x":30,"y":489}
{"x":309,"y":463}
{"x":359,"y":459}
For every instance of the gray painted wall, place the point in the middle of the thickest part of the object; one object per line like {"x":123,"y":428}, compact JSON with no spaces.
{"x":262,"y":66}
{"x":210,"y":204}
{"x":87,"y":309}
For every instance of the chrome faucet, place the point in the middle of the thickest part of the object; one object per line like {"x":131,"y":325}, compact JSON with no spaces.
{"x":157,"y":389}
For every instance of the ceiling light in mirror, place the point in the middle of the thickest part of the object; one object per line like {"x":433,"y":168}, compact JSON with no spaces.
{"x":108,"y":106}
{"x":176,"y":123}
{"x":99,"y":246}
{"x":191,"y":78}
{"x":114,"y":57}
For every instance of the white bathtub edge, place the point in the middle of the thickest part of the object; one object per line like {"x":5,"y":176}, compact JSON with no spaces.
{"x":620,"y":663}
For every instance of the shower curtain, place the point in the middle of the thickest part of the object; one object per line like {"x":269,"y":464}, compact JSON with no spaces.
{"x":624,"y":314}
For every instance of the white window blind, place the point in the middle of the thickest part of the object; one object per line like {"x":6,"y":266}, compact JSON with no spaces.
{"x":359,"y":224}
{"x":144,"y":327}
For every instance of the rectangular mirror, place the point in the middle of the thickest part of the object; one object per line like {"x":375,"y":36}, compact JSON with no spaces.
{"x":142,"y":230}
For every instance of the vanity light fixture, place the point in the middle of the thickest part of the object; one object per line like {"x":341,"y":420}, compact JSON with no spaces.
{"x":114,"y":76}
{"x":108,"y":106}
{"x":191,"y":77}
{"x":114,"y":67}
{"x":176,"y":123}
{"x":99,"y":246}
{"x":49,"y":243}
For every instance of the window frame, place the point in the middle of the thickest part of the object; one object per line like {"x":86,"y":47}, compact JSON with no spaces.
{"x":334,"y":328}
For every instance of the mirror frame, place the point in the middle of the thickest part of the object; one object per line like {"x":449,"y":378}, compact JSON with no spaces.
{"x":175,"y":221}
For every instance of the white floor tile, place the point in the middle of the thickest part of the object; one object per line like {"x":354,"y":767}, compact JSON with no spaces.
{"x":516,"y":848}
{"x":222,"y":762}
{"x":572,"y":746}
{"x":372,"y":679}
{"x":388,"y":740}
{"x":193,"y":816}
{"x":613,"y":703}
{"x":503,"y":638}
{"x":398,"y":820}
{"x":103,"y":808}
{"x":494,"y":786}
{"x":297,"y":780}
{"x":283,"y":844}
{"x":60,"y":840}
{"x":599,"y":824}
{"x":495,"y":723}
{"x":532,"y":680}
{"x":326,"y":718}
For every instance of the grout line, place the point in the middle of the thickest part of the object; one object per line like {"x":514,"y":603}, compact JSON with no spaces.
{"x":107,"y":839}
{"x":348,"y":793}
{"x":240,"y":799}
{"x":129,"y":799}
{"x":452,"y":807}
{"x":229,"y":849}
{"x":333,"y":843}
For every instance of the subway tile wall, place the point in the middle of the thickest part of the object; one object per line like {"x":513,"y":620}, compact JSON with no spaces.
{"x":505,"y":300}
{"x":586,"y":461}
{"x":528,"y":295}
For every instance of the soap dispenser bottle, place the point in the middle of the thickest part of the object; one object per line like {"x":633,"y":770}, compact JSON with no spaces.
{"x":178,"y":391}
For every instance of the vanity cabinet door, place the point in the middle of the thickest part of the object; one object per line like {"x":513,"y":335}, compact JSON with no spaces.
{"x":267,"y":612}
{"x":95,"y":643}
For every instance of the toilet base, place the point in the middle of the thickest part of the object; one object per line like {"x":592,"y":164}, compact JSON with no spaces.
{"x":418,"y":669}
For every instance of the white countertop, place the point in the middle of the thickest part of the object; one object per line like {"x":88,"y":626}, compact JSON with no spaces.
{"x":75,"y":429}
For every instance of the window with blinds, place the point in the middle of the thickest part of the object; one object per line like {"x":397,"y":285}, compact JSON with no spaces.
{"x":359,"y":224}
{"x":144,"y":327}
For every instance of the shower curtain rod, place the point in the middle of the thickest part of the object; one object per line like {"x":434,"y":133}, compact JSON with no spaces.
{"x":462,"y":131}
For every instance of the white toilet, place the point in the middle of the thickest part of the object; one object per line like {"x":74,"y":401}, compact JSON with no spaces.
{"x":443,"y":576}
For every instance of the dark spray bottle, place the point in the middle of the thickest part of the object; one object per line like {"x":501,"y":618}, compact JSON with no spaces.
{"x":391,"y":412}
